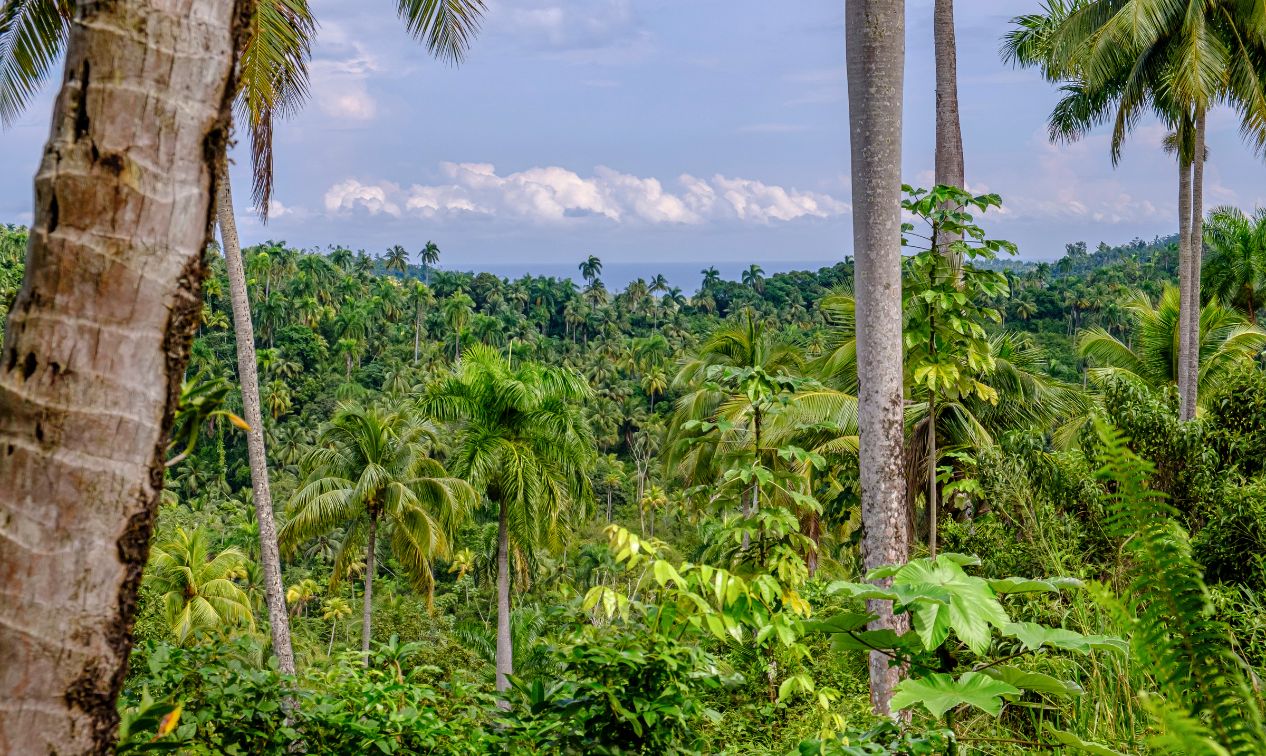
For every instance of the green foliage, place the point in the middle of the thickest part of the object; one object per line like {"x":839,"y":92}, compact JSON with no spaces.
{"x":1187,"y":651}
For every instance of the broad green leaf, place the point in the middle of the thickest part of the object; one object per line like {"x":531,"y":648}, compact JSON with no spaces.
{"x":1035,"y":636}
{"x":1034,"y":681}
{"x":1085,"y":746}
{"x":861,"y":590}
{"x":868,"y":640}
{"x":1025,"y":585}
{"x":938,"y":693}
{"x":840,"y":623}
{"x":972,"y":606}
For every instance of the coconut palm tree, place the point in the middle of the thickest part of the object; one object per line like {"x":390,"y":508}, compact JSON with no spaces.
{"x":333,"y":610}
{"x":1117,"y":59}
{"x":711,"y":277}
{"x":1236,"y":268}
{"x":59,"y":581}
{"x":396,"y":259}
{"x":457,"y":310}
{"x":1227,"y":341}
{"x":590,"y":269}
{"x":754,"y":277}
{"x":522,"y":441}
{"x":198,"y":591}
{"x":422,"y":298}
{"x":875,"y":54}
{"x":429,"y":257}
{"x":371,"y":470}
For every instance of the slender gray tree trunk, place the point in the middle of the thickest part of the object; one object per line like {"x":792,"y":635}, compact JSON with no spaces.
{"x":417,"y":334}
{"x":505,"y":650}
{"x":244,"y":334}
{"x":96,"y":347}
{"x":1196,"y":253}
{"x":949,"y":134}
{"x":367,"y":611}
{"x":932,"y":514}
{"x":1185,"y":287}
{"x":875,"y":35}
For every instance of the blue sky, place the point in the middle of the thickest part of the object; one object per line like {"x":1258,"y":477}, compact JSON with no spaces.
{"x":662,"y":131}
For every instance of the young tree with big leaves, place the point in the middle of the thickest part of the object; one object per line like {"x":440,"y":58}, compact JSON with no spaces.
{"x":875,"y":42}
{"x":97,"y":341}
{"x":947,"y":352}
{"x":522,"y":441}
{"x":371,"y":470}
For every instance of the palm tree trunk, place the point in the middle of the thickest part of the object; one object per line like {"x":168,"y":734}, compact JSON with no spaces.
{"x":368,"y":608}
{"x":96,"y":346}
{"x":875,"y":36}
{"x":417,"y":334}
{"x":244,"y":334}
{"x":949,"y":134}
{"x":1185,"y":288}
{"x":1196,"y":254}
{"x":505,"y":651}
{"x":333,"y":629}
{"x":608,"y":506}
{"x":932,"y":475}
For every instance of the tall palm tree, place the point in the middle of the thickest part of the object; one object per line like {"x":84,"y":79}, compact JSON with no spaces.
{"x":1226,"y":342}
{"x":949,"y":132}
{"x":1236,"y":272}
{"x":590,"y":269}
{"x":711,"y":277}
{"x":429,"y":257}
{"x":422,"y":298}
{"x":457,"y":310}
{"x":61,"y":579}
{"x":754,"y":277}
{"x":396,"y":259}
{"x":1119,"y":58}
{"x":522,"y":441}
{"x":198,"y":591}
{"x":875,"y":41}
{"x":371,"y":470}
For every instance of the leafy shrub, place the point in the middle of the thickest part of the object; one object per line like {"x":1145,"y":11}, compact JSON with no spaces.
{"x":1232,"y":544}
{"x":625,"y":689}
{"x":1237,"y":420}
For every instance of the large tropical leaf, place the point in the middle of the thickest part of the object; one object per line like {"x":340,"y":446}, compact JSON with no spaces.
{"x":938,"y":693}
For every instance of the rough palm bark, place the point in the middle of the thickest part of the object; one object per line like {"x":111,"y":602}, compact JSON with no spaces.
{"x":505,"y":651}
{"x":1185,"y":303}
{"x":96,"y":348}
{"x":1195,"y":251}
{"x":950,"y":169}
{"x":244,"y":334}
{"x":367,"y":611}
{"x":875,"y":37}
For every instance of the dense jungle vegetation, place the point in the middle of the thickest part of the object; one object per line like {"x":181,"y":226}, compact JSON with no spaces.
{"x":674,"y":482}
{"x":933,"y":499}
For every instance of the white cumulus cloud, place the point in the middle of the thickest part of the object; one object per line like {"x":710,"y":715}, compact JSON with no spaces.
{"x":556,"y":195}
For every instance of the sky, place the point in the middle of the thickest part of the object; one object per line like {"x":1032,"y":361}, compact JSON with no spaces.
{"x":671,"y":132}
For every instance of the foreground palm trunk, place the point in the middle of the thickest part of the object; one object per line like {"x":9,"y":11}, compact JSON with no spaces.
{"x":949,"y":131}
{"x":1185,"y":409}
{"x":244,"y":334}
{"x":1195,"y":251}
{"x":95,"y":350}
{"x":875,"y":31}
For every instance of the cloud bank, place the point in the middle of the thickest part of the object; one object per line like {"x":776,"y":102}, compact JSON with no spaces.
{"x":554,"y":195}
